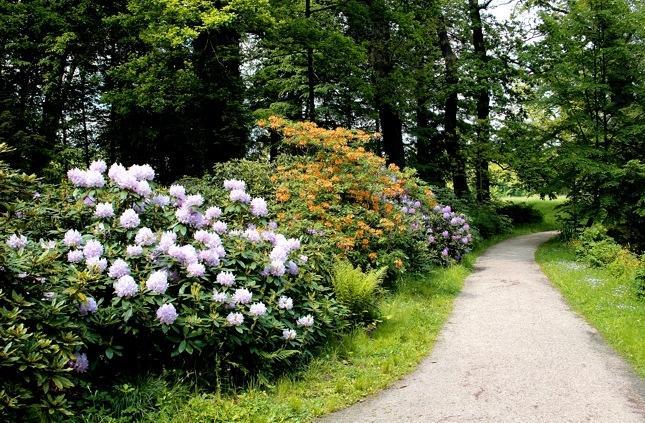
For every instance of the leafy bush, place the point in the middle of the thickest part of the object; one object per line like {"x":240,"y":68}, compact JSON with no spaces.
{"x":595,"y":247}
{"x":141,"y":279}
{"x":357,"y":290}
{"x":639,"y":284}
{"x":488,"y":221}
{"x":328,"y":184}
{"x":521,"y":213}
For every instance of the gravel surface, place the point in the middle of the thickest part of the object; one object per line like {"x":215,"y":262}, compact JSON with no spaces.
{"x":512,"y":351}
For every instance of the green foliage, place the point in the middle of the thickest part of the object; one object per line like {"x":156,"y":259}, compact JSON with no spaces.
{"x":594,"y":247}
{"x":14,"y":185}
{"x":521,"y":213}
{"x":256,"y":174}
{"x":358,"y":290}
{"x":39,"y":335}
{"x":585,"y":134}
{"x":640,"y":279}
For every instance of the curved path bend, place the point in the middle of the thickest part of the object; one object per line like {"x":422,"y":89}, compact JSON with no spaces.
{"x":512,"y":351}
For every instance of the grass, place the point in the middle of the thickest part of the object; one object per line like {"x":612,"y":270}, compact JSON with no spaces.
{"x":605,"y":300}
{"x":357,"y":365}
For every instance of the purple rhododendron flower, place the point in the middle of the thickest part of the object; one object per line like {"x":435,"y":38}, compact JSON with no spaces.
{"x":292,"y":268}
{"x":288,"y":334}
{"x":212,"y":213}
{"x":257,"y":309}
{"x":72,"y":238}
{"x":158,"y":281}
{"x":17,"y":242}
{"x":234,"y":184}
{"x":93,"y":248}
{"x":126,"y":287}
{"x":196,"y":269}
{"x":145,"y":236}
{"x":74,"y":256}
{"x":104,"y":210}
{"x":219,"y":227}
{"x":80,"y":363}
{"x":305,"y":321}
{"x":194,"y":200}
{"x":129,"y":219}
{"x":177,"y":191}
{"x":235,"y":319}
{"x":445,"y":252}
{"x":220,"y":297}
{"x":167,"y":240}
{"x":276,"y":268}
{"x":167,"y":314}
{"x":285,"y":303}
{"x":237,"y":195}
{"x":225,"y":278}
{"x":242,"y":296}
{"x":134,"y":250}
{"x":89,"y":306}
{"x":98,"y":166}
{"x":259,"y":207}
{"x":119,"y":268}
{"x":96,"y":264}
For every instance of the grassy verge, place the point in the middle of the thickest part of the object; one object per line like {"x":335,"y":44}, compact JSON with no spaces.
{"x":359,"y":364}
{"x":604,"y":300}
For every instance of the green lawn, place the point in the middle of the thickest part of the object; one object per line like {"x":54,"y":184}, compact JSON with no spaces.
{"x":606,"y":301}
{"x":357,"y":365}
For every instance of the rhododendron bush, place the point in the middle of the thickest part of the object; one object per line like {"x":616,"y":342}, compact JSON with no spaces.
{"x":134,"y":274}
{"x":331,"y":186}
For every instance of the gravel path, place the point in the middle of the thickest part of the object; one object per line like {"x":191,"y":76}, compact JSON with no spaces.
{"x":512,"y":351}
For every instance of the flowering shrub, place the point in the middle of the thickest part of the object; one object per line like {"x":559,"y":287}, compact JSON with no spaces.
{"x":375,"y":215}
{"x":143,"y":274}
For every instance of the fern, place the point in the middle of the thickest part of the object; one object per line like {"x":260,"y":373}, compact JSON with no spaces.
{"x":280,"y":355}
{"x":358,"y":290}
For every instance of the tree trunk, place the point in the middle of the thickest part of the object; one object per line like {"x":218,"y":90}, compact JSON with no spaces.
{"x":483,"y":106}
{"x":451,"y":105}
{"x":311,"y":83}
{"x":51,"y":115}
{"x":429,"y":146}
{"x":383,"y":65}
{"x":222,"y":119}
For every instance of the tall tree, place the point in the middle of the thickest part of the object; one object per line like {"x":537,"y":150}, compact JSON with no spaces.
{"x":586,"y":122}
{"x":482,"y":126}
{"x":450,"y":108}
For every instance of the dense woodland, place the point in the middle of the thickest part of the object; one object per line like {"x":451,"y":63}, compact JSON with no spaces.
{"x":554,"y":94}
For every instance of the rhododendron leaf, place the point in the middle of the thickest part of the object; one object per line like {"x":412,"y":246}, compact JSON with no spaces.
{"x":127,"y":314}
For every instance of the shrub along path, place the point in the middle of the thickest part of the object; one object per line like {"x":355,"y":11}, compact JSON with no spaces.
{"x":511,"y":351}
